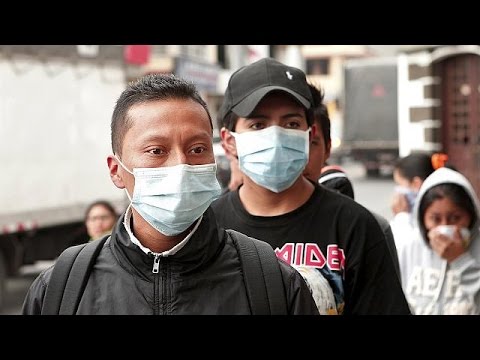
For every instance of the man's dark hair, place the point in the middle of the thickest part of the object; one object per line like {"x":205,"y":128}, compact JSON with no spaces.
{"x":320,"y":112}
{"x":151,"y":87}
{"x":229,"y":121}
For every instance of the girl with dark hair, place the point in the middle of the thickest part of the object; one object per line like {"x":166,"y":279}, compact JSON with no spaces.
{"x":440,"y":265}
{"x":408,"y":174}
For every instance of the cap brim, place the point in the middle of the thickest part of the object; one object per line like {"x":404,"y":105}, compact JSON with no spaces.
{"x":245,"y":107}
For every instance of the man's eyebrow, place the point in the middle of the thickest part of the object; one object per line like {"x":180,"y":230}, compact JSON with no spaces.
{"x":200,"y":136}
{"x":153,"y":138}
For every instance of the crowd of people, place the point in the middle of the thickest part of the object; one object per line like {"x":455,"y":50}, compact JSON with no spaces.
{"x":179,"y":247}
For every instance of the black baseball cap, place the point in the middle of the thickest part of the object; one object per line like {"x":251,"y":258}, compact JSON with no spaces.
{"x":248,"y":86}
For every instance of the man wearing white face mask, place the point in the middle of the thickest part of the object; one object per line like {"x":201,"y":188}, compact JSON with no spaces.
{"x":268,"y":124}
{"x":166,"y":254}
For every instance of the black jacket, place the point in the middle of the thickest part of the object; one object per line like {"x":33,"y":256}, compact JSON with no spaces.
{"x":204,"y":277}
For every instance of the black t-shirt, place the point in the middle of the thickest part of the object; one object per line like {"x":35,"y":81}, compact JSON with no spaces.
{"x":334,"y":234}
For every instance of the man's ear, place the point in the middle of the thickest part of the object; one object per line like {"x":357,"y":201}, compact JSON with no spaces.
{"x":228,"y":143}
{"x":115,"y":174}
{"x":313,"y":131}
{"x":328,"y":149}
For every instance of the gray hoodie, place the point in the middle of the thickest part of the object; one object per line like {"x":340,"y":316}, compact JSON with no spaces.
{"x":431,"y":285}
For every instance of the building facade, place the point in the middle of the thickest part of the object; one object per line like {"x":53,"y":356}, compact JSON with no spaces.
{"x":439,"y":104}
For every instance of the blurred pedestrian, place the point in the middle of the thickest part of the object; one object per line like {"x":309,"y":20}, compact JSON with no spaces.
{"x":409,"y":173}
{"x":440,"y":267}
{"x":335,"y":177}
{"x":268,"y":125}
{"x":100,"y":217}
{"x":166,"y":254}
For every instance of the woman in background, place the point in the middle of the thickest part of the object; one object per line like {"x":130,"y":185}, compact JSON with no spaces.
{"x":100,"y":217}
{"x":409,"y":174}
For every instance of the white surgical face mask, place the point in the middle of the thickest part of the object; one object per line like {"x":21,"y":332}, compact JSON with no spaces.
{"x":410,"y":195}
{"x":274,"y":157}
{"x":449,"y":230}
{"x":171,"y":198}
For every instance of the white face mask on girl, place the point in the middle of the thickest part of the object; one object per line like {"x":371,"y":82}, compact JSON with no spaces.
{"x":171,"y":198}
{"x":449,"y":230}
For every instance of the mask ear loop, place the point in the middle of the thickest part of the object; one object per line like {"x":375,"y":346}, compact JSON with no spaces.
{"x":125,"y":168}
{"x":118,"y":159}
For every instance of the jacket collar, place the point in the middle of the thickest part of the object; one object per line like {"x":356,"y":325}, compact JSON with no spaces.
{"x":127,"y":223}
{"x":203,"y":245}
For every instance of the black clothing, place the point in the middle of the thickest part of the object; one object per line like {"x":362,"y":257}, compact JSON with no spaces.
{"x":337,"y":236}
{"x":334,"y":178}
{"x":387,"y":232}
{"x":203,"y":277}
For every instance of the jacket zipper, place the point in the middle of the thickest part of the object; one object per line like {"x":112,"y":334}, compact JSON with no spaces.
{"x":156,"y":263}
{"x":156,"y":286}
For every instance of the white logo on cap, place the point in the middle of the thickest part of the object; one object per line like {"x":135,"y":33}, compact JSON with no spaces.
{"x":290,"y":76}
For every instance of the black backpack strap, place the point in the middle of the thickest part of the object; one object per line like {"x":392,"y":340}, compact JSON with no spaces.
{"x":69,"y":278}
{"x":263,"y":278}
{"x":58,"y":280}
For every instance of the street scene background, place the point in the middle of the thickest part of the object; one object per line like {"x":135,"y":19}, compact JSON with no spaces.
{"x":56,"y":101}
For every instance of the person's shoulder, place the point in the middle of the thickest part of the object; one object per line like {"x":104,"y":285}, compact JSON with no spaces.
{"x":384,"y":223}
{"x":354,"y":210}
{"x":337,"y":198}
{"x":329,"y":169}
{"x":45,"y":275}
{"x":287,"y":270}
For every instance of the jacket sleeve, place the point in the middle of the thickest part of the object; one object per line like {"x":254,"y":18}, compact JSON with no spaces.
{"x":299,"y":297}
{"x":32,"y":305}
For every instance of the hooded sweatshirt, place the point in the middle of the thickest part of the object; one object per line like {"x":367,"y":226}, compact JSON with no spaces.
{"x":431,"y":285}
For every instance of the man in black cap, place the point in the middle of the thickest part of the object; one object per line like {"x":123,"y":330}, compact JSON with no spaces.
{"x":268,"y":125}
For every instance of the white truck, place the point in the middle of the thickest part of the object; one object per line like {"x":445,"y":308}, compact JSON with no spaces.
{"x":55,"y":110}
{"x":370,"y":126}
